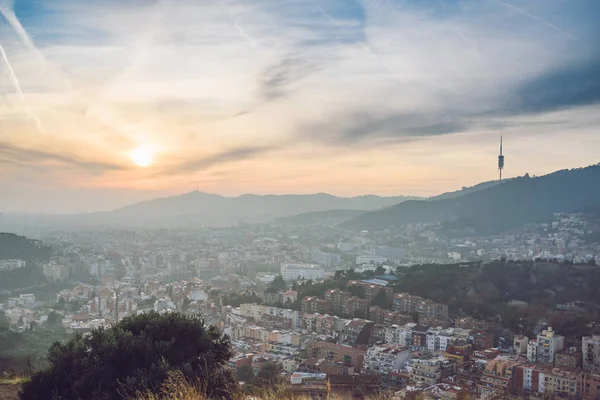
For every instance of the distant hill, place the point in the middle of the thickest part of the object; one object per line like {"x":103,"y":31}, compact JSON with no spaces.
{"x":204,"y":208}
{"x":31,"y":251}
{"x":330,"y":217}
{"x":502,"y":206}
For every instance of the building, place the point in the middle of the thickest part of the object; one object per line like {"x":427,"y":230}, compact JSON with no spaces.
{"x":590,"y":349}
{"x":293,"y":272}
{"x":409,"y":304}
{"x":355,"y":307}
{"x":532,"y":350}
{"x":325,"y":259}
{"x":312,"y":304}
{"x":348,"y":356}
{"x":520,"y":344}
{"x":569,"y":359}
{"x":385,"y":359}
{"x":498,"y":377}
{"x":335,"y":298}
{"x":548,"y":344}
{"x":429,"y":370}
{"x":357,"y":332}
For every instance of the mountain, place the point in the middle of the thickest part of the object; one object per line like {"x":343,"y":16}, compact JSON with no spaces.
{"x":503,"y":206}
{"x":330,"y":217}
{"x":466,"y":190}
{"x":197,"y":208}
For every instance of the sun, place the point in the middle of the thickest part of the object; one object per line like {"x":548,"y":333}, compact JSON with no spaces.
{"x":142,"y":156}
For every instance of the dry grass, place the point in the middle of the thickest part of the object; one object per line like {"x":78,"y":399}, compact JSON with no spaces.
{"x":177,"y":387}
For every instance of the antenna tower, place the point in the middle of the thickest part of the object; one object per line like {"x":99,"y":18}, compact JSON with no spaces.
{"x":500,"y":158}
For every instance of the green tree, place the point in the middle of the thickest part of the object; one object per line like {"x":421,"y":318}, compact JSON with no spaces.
{"x":267,"y":376}
{"x":415,"y":317}
{"x":54,"y":319}
{"x":245,"y":373}
{"x":356,"y":290}
{"x":278,"y":283}
{"x":4,"y":322}
{"x":135,"y":356}
{"x":380,"y":300}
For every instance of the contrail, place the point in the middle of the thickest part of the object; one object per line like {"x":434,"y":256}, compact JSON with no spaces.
{"x":8,"y":14}
{"x":243,"y":34}
{"x":535,"y":17}
{"x":366,"y":47}
{"x":17,"y":86}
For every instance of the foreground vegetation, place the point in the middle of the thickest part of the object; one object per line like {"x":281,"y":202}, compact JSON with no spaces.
{"x":135,"y":356}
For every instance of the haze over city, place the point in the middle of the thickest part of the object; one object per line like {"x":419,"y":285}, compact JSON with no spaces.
{"x":106,"y":103}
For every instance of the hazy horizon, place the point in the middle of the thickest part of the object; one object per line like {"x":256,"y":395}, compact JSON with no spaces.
{"x":108,"y":104}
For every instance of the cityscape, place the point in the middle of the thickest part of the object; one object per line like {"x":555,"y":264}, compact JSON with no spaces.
{"x":300,"y":199}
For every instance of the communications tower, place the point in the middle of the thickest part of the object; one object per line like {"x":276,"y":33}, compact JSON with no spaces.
{"x":500,"y":158}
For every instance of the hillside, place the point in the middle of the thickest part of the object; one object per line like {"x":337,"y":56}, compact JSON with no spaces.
{"x":465,"y":190}
{"x":503,"y":206}
{"x":204,"y":208}
{"x":330,"y":217}
{"x":31,"y":251}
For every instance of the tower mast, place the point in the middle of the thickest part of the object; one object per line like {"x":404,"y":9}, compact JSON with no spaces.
{"x":500,"y":158}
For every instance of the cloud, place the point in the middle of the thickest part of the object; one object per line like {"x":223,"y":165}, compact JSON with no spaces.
{"x":33,"y":158}
{"x":572,"y":85}
{"x":232,"y":155}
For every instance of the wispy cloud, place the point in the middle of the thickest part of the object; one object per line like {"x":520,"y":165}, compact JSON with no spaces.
{"x":32,"y":158}
{"x":228,"y":156}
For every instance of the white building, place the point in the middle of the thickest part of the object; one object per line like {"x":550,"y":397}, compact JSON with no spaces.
{"x":325,"y":259}
{"x":590,"y":346}
{"x":164,"y":305}
{"x":399,"y":335}
{"x":532,"y":350}
{"x":548,"y":344}
{"x":370,"y":259}
{"x":385,"y":359}
{"x":292,"y":272}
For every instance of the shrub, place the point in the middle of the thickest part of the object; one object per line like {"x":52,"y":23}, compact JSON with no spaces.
{"x":137,"y":355}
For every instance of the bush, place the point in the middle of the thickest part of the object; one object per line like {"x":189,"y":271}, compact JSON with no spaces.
{"x":137,"y":355}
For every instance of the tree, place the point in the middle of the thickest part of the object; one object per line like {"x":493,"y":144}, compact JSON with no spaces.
{"x":380,"y":270}
{"x":380,"y":300}
{"x":356,"y":290}
{"x":54,"y":319}
{"x":4,"y":322}
{"x":245,"y":373}
{"x":415,"y":317}
{"x":267,"y":376}
{"x":135,"y":356}
{"x":278,"y":283}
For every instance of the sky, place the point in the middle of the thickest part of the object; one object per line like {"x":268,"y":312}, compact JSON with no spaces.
{"x":347,"y":97}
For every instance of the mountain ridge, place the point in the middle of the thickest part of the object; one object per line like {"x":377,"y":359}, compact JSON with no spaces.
{"x":499,"y":207}
{"x":198,"y":207}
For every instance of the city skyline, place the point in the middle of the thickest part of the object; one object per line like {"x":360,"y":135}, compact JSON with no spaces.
{"x":126,"y":101}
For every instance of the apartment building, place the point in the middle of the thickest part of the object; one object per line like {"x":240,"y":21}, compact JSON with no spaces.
{"x":548,"y":344}
{"x":312,"y":304}
{"x":590,"y":349}
{"x":428,"y":370}
{"x":348,"y":356}
{"x":408,"y":304}
{"x":293,"y":272}
{"x":385,"y":359}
